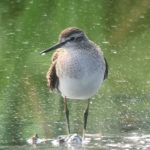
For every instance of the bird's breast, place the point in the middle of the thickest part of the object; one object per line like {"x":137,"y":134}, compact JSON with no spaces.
{"x":78,"y":64}
{"x":80,"y":75}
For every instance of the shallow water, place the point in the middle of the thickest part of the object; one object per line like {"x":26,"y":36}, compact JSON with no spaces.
{"x":112,"y":142}
{"x":122,"y":105}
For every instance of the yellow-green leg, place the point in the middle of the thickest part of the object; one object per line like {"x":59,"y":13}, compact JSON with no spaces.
{"x":85,"y":118}
{"x":66,"y":111}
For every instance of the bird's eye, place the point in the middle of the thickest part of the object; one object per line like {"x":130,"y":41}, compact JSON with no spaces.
{"x":72,"y":38}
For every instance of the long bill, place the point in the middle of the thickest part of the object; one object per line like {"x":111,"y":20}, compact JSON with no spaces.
{"x":53,"y":47}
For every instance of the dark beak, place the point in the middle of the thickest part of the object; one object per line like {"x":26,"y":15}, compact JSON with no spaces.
{"x":53,"y":47}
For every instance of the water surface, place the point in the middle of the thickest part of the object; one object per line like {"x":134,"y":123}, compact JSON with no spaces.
{"x":121,"y":107}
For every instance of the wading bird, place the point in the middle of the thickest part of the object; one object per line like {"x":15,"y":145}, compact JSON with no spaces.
{"x":77,"y":70}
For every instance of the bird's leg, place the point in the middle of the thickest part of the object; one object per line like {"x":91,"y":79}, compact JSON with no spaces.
{"x":85,"y":118}
{"x":66,"y":114}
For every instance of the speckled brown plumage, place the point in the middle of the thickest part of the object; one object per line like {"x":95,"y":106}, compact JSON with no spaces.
{"x":52,"y":78}
{"x":68,"y":32}
{"x":106,"y":70}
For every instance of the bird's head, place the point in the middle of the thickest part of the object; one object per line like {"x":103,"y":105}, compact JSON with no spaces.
{"x":71,"y":35}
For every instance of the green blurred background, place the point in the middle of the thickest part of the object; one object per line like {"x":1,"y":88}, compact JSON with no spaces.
{"x":120,"y":27}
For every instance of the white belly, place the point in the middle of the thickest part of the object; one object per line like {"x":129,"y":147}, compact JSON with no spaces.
{"x":82,"y":88}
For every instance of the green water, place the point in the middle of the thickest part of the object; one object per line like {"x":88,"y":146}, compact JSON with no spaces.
{"x":121,"y":28}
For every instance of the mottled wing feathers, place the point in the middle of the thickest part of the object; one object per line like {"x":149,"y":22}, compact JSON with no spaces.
{"x":52,"y":77}
{"x":106,"y":70}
